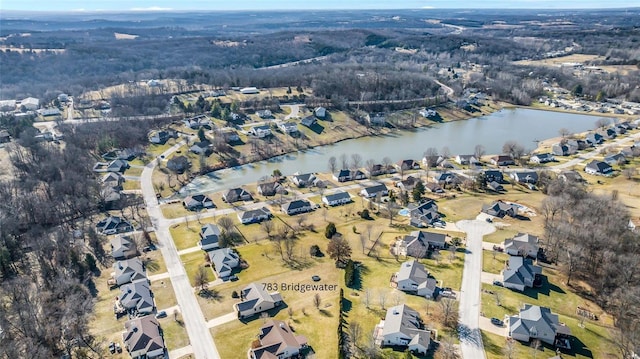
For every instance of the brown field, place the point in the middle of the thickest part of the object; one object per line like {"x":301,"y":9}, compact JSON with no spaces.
{"x":556,"y":61}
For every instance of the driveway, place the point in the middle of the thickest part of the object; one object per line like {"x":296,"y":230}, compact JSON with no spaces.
{"x":488,"y":278}
{"x":469,"y":311}
{"x":485,"y":324}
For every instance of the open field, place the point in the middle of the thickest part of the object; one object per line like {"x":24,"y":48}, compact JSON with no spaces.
{"x":493,"y":261}
{"x":163,"y":294}
{"x":174,"y":332}
{"x":557,"y":61}
{"x":594,"y":340}
{"x":192,"y":262}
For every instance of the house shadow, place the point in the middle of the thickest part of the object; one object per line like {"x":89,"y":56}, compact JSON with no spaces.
{"x":436,"y":118}
{"x":317,"y":128}
{"x":271,"y":312}
{"x":522,"y":218}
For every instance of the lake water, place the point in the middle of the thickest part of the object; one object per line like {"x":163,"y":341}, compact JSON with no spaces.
{"x":524,"y":126}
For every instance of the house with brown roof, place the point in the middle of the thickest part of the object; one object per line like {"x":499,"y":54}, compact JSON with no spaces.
{"x":142,"y":338}
{"x":277,"y":340}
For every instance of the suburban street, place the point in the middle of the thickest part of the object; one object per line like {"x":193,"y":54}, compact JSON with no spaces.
{"x":199,"y":336}
{"x":469,"y":306}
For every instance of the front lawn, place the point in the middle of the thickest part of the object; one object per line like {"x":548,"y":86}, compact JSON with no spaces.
{"x":493,"y":261}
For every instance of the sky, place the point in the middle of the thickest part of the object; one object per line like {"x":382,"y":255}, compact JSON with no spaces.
{"x":167,"y":5}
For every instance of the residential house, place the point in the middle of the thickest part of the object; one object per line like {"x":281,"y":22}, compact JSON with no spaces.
{"x":598,"y":168}
{"x":7,"y":105}
{"x":594,"y":138}
{"x":261,"y":131}
{"x":615,"y":159}
{"x":349,"y":175}
{"x":431,"y":161}
{"x":434,"y":188}
{"x":418,"y":244}
{"x":178,"y":164}
{"x":113,"y":225}
{"x":129,"y":271}
{"x":288,"y":127}
{"x":230,"y":136}
{"x":336,"y":199}
{"x":123,"y":247}
{"x":403,"y":327}
{"x":522,"y":244}
{"x":143,"y":338}
{"x":495,"y":186}
{"x":609,"y":133}
{"x":304,"y":180}
{"x":237,"y":194}
{"x":270,"y":188}
{"x":118,"y":166}
{"x":379,"y":169}
{"x":535,"y":322}
{"x":427,"y":112}
{"x":202,"y":148}
{"x":196,"y":122}
{"x":542,"y":158}
{"x":373,"y":191}
{"x":376,"y":119}
{"x":309,"y":121}
{"x":501,"y":209}
{"x":423,"y":214}
{"x":209,"y":237}
{"x":161,"y":137}
{"x":224,"y":260}
{"x":277,"y":340}
{"x":447,"y":178}
{"x":320,"y":112}
{"x":110,"y":196}
{"x":628,"y":151}
{"x":136,"y":298}
{"x":467,"y":160}
{"x":113,"y":179}
{"x":560,"y":149}
{"x":197,"y":202}
{"x":297,"y":206}
{"x":126,"y":154}
{"x":407,"y":184}
{"x":520,"y":273}
{"x":49,"y":112}
{"x":406,"y":165}
{"x":414,"y":278}
{"x":255,"y":299}
{"x":30,"y":104}
{"x":264,"y":114}
{"x":578,"y":144}
{"x":502,"y":160}
{"x":254,"y":215}
{"x":524,"y":177}
{"x":493,"y":175}
{"x":571,"y":176}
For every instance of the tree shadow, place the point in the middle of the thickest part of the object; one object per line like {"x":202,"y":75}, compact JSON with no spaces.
{"x":91,"y":286}
{"x":325,"y":313}
{"x":151,"y":265}
{"x":210,"y":294}
{"x":346,"y":305}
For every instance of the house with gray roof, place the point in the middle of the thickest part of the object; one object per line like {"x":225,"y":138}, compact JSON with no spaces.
{"x":304,"y":180}
{"x":288,"y":127}
{"x":502,"y":160}
{"x":161,"y":137}
{"x":423,"y":214}
{"x":264,"y":114}
{"x":309,"y":121}
{"x":270,"y":188}
{"x":236,"y":195}
{"x":224,"y":260}
{"x":596,"y":167}
{"x":615,"y":159}
{"x":495,"y":186}
{"x":117,"y":166}
{"x":209,"y":237}
{"x":113,"y":225}
{"x":142,"y":338}
{"x":376,"y":119}
{"x":467,"y":160}
{"x":198,"y":121}
{"x":403,"y":327}
{"x":522,"y":244}
{"x":542,"y":158}
{"x":414,"y":278}
{"x":197,"y":202}
{"x":129,"y":271}
{"x":254,"y":215}
{"x":123,"y":247}
{"x":297,"y":206}
{"x":113,"y":179}
{"x":261,"y":131}
{"x":373,"y":191}
{"x":320,"y":112}
{"x":255,"y":299}
{"x":519,"y":273}
{"x":418,"y":243}
{"x":493,"y":175}
{"x":501,"y":209}
{"x":136,"y":298}
{"x":524,"y":177}
{"x":204,"y":148}
{"x":535,"y":322}
{"x":594,"y":138}
{"x":277,"y":340}
{"x":336,"y":199}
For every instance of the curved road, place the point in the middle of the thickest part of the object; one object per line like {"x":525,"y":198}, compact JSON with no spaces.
{"x":469,"y":308}
{"x":199,"y":336}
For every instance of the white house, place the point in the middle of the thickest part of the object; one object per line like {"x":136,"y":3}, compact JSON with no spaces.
{"x":254,"y":215}
{"x":223,"y":261}
{"x":249,"y":90}
{"x":534,"y":322}
{"x":403,"y":327}
{"x":255,"y":299}
{"x":336,"y":199}
{"x":520,"y":273}
{"x":209,"y":237}
{"x":542,"y":158}
{"x":414,"y":278}
{"x":373,"y":191}
{"x":129,"y":271}
{"x":466,"y":160}
{"x":522,"y":244}
{"x":260,"y":131}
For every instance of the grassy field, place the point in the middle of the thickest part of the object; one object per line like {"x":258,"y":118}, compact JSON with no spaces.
{"x":175,"y":334}
{"x":594,"y":340}
{"x":153,"y":262}
{"x":491,"y":264}
{"x":163,"y":294}
{"x":131,"y":184}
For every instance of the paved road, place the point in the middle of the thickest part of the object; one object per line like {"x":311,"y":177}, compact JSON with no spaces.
{"x":295,"y":109}
{"x":199,"y":336}
{"x":469,"y":309}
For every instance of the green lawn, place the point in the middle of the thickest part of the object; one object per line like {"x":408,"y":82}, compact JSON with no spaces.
{"x":154,"y":263}
{"x":131,"y":184}
{"x":185,"y":236}
{"x":163,"y":294}
{"x":192,"y":262}
{"x":175,"y":210}
{"x":175,"y":334}
{"x":563,"y":301}
{"x":493,"y":261}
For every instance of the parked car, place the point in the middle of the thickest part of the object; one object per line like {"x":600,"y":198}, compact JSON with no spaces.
{"x":315,"y":278}
{"x":233,"y":278}
{"x":498,"y":283}
{"x":489,"y":220}
{"x":112,"y":348}
{"x":496,"y":321}
{"x":161,"y":314}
